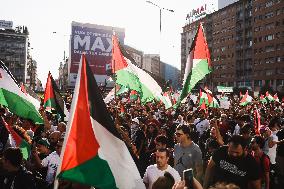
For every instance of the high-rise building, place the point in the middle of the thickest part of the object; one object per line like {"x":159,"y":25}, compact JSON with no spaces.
{"x":172,"y":74}
{"x":63,"y":75}
{"x":152,"y":64}
{"x":246,"y":42}
{"x":14,"y":49}
{"x":135,"y":54}
{"x":268,"y":43}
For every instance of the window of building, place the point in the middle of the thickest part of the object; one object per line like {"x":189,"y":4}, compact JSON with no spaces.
{"x":269,"y":60}
{"x":269,"y":72}
{"x":269,"y":37}
{"x":269,"y":26}
{"x":280,"y":71}
{"x":269,"y":15}
{"x":269,"y":4}
{"x":269,"y":48}
{"x":278,"y":59}
{"x":278,"y":11}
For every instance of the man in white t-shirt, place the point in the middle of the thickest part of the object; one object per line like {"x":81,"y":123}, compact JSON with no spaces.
{"x":51,"y":162}
{"x":153,"y":172}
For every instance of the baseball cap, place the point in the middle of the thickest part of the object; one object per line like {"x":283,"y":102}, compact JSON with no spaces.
{"x":44,"y":142}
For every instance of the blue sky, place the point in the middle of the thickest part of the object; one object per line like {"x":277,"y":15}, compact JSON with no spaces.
{"x":140,"y":20}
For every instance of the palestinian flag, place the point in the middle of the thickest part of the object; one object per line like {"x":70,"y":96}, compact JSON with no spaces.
{"x":213,"y":102}
{"x":21,"y":143}
{"x":122,"y":90}
{"x":133,"y":95}
{"x":262,"y":99}
{"x":122,"y":110}
{"x":132,"y":77}
{"x":269,"y":97}
{"x":203,"y":98}
{"x":32,"y":96}
{"x":166,"y":100}
{"x":198,"y":63}
{"x":246,"y":99}
{"x":14,"y":99}
{"x":275,"y":97}
{"x":93,"y":152}
{"x":52,"y":98}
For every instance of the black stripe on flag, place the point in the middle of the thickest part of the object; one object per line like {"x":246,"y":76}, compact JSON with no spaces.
{"x":98,"y":108}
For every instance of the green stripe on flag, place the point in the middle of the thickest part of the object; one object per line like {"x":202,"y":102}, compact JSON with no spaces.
{"x":19,"y":106}
{"x":197,"y":73}
{"x":127,"y":79}
{"x":94,"y":172}
{"x":25,"y":149}
{"x":50,"y":103}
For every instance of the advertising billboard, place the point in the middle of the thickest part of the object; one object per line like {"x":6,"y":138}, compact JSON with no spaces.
{"x":96,"y":42}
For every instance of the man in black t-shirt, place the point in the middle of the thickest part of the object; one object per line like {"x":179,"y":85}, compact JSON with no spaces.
{"x":231,"y":164}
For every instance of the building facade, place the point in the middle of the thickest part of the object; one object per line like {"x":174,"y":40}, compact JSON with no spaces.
{"x":14,"y":51}
{"x":152,"y":64}
{"x":246,"y":44}
{"x":63,"y":75}
{"x":172,"y":74}
{"x":135,"y":54}
{"x":268,"y":43}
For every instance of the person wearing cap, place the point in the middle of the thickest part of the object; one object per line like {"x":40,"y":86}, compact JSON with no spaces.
{"x":43,"y":148}
{"x":51,"y":161}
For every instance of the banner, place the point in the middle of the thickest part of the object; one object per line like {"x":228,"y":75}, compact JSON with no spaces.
{"x":95,"y":41}
{"x":222,"y":89}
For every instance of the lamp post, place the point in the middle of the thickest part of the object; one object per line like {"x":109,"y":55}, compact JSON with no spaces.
{"x":160,"y":8}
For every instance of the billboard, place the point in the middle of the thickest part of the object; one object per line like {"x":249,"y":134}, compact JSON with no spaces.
{"x":96,"y":42}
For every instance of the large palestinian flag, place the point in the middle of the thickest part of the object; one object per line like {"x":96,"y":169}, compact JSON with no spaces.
{"x":20,"y":142}
{"x":52,"y":97}
{"x":132,"y":77}
{"x":93,"y":152}
{"x":198,"y":63}
{"x":14,"y":99}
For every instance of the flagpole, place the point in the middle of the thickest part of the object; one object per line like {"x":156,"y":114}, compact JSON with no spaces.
{"x":114,"y":77}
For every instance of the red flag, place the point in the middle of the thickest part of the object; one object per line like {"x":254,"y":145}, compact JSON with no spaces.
{"x":256,"y":122}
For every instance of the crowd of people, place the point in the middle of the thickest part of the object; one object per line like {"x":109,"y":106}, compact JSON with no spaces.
{"x":225,"y":148}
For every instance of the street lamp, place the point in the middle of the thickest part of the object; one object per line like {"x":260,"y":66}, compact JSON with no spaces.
{"x":161,"y":8}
